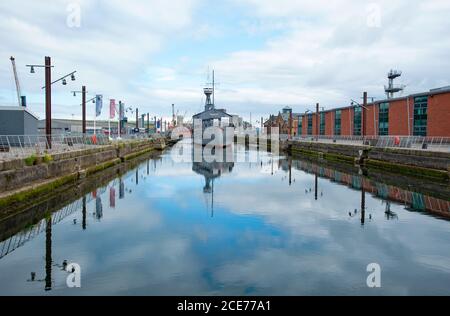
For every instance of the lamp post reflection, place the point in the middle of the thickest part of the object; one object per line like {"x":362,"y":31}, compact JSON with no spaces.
{"x":316,"y":186}
{"x":290,"y":171}
{"x":83,"y":224}
{"x":363,"y":205}
{"x":48,"y":255}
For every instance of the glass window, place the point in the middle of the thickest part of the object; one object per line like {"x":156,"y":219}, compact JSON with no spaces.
{"x":337,"y":122}
{"x":300,"y":125}
{"x":357,"y":119}
{"x":420,"y":116}
{"x":310,"y":124}
{"x":322,"y":123}
{"x":383,"y":119}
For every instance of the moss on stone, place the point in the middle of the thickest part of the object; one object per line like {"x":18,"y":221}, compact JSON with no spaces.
{"x":408,"y":170}
{"x":136,"y":154}
{"x":39,"y":190}
{"x":103,"y":166}
{"x":322,"y":155}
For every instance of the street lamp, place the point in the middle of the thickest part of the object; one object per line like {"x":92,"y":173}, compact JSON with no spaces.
{"x":83,"y":107}
{"x":48,"y":94}
{"x":356,"y":104}
{"x":63,"y":79}
{"x":374,"y":116}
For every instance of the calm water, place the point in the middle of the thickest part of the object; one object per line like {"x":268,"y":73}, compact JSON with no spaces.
{"x":236,"y":228}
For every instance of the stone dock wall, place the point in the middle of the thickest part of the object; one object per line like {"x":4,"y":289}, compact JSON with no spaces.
{"x":418,"y":163}
{"x":19,"y":182}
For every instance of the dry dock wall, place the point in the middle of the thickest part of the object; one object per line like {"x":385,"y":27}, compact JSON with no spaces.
{"x":428,"y":164}
{"x":18,"y":181}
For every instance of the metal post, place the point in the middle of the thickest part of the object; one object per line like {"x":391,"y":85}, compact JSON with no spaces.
{"x":363,"y":115}
{"x":48,"y":101}
{"x":290,"y":171}
{"x":363,"y":203}
{"x":316,"y":185}
{"x":83,"y":110}
{"x":137,"y":118}
{"x":119,"y":122}
{"x":317,"y":122}
{"x":290,"y":126}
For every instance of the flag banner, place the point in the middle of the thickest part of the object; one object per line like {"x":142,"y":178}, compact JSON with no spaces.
{"x":112,"y":108}
{"x":112,"y":197}
{"x":98,"y":104}
{"x":158,"y":124}
{"x":98,"y":208}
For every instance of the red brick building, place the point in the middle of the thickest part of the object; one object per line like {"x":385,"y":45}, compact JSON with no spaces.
{"x":422,"y":114}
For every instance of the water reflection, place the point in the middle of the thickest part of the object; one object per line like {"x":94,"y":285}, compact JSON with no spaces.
{"x":211,"y":171}
{"x":413,"y":201}
{"x":281,"y":226}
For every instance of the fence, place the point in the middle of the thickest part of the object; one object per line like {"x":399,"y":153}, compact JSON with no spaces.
{"x":22,"y":146}
{"x":441,"y":144}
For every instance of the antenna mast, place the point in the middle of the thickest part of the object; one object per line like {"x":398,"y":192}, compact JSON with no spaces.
{"x":391,"y":88}
{"x":213,"y":83}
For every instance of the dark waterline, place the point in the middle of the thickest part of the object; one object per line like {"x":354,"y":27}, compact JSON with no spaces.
{"x":279,"y":226}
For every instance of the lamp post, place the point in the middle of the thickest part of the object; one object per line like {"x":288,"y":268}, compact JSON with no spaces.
{"x":137,"y":119}
{"x":317,"y":122}
{"x":48,"y":94}
{"x":364,"y":107}
{"x":374,"y":116}
{"x":83,"y":108}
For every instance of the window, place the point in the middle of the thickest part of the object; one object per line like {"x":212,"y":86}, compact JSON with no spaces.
{"x":383,"y":118}
{"x":357,"y":118}
{"x":322,"y":123}
{"x":310,"y":124}
{"x":300,"y":125}
{"x":337,"y":122}
{"x":420,"y":116}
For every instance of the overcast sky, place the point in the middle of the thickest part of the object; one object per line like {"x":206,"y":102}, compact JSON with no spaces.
{"x":266,"y":53}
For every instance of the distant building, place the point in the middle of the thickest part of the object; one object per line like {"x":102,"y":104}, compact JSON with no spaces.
{"x":15,"y":120}
{"x":286,"y":121}
{"x":420,"y":114}
{"x":65,"y":126}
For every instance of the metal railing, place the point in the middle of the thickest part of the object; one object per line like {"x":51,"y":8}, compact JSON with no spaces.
{"x":22,"y":146}
{"x":441,"y":144}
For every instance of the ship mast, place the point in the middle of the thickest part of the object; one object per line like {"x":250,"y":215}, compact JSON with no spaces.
{"x":213,"y":86}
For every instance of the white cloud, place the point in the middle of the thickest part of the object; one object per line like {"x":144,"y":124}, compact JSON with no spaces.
{"x":329,"y":54}
{"x":290,"y":51}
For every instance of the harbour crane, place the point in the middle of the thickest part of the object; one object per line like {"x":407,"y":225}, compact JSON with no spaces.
{"x":20,"y":99}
